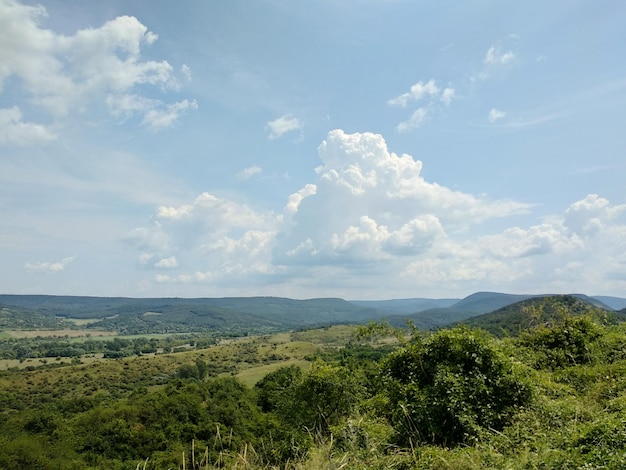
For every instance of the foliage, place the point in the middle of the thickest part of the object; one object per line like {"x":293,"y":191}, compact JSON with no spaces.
{"x":553,"y":398}
{"x":452,"y":386}
{"x":567,"y":343}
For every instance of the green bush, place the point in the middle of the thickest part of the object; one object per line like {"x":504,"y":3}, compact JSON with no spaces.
{"x":449,"y":388}
{"x":569,"y":342}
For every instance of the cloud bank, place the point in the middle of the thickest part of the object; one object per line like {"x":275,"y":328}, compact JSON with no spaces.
{"x":369,"y":212}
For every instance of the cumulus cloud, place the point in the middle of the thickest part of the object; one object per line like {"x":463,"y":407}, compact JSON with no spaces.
{"x":427,"y":93}
{"x":14,"y":131}
{"x":375,"y":204}
{"x":225,"y":238}
{"x":495,"y":114}
{"x":249,"y":172}
{"x":370,"y":213}
{"x":46,"y":267}
{"x":282,"y":125}
{"x":65,"y":74}
{"x":591,"y":215}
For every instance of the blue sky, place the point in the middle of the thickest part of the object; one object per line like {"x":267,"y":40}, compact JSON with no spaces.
{"x":364,"y":149}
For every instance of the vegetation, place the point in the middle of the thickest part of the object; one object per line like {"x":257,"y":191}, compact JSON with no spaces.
{"x":551,"y":396}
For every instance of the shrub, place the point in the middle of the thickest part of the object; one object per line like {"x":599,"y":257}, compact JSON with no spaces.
{"x":566,"y":343}
{"x":449,"y":388}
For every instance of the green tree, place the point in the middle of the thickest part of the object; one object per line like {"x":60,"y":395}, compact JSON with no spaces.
{"x":272,"y":388}
{"x":323,"y":396}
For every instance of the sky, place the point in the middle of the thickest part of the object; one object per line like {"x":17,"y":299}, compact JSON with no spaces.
{"x":362,"y":149}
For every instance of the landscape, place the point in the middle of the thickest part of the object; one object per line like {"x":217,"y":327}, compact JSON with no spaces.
{"x":488,"y":381}
{"x":312,"y":235}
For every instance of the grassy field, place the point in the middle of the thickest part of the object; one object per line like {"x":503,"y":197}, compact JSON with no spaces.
{"x":252,"y":375}
{"x":58,"y":333}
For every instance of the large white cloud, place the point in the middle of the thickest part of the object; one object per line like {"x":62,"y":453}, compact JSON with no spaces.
{"x":66,"y":74}
{"x":213,"y":237}
{"x":370,"y":205}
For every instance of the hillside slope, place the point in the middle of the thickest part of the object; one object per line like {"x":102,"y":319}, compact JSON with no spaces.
{"x":520,"y":316}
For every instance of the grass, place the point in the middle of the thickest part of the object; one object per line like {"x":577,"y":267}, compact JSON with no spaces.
{"x":59,"y":333}
{"x":337,"y":335}
{"x":252,"y":375}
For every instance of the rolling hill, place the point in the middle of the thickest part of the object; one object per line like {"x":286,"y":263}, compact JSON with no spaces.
{"x":512,"y":319}
{"x":241,"y":315}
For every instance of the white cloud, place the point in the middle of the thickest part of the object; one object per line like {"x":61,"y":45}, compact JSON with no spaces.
{"x":249,"y":172}
{"x":225,"y":238}
{"x":495,"y":56}
{"x":427,"y":92}
{"x":496,"y":60}
{"x":282,"y":125}
{"x":164,"y":117}
{"x":17,"y":132}
{"x":418,"y":118}
{"x":68,"y":74}
{"x":447,"y":95}
{"x":296,"y":199}
{"x":370,"y":204}
{"x":495,"y":114}
{"x":417,"y":92}
{"x":186,"y":72}
{"x":48,"y":267}
{"x":167,"y":263}
{"x":591,"y":215}
{"x":370,"y":213}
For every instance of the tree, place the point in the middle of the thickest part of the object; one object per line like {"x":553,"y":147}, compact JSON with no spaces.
{"x":272,"y":388}
{"x":325,"y":395}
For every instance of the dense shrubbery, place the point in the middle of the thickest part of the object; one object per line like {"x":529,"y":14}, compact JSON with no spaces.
{"x":450,"y":387}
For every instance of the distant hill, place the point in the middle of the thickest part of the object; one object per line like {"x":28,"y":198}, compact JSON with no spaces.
{"x":514,"y":318}
{"x":405,"y":306}
{"x":616,"y":303}
{"x":240,"y":315}
{"x":15,"y":317}
{"x":234,"y":315}
{"x":470,"y":306}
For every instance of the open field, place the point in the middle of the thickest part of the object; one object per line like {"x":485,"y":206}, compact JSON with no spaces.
{"x":252,"y":375}
{"x":58,"y":333}
{"x":81,"y":321}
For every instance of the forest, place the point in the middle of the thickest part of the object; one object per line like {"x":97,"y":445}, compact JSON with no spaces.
{"x":548,"y":392}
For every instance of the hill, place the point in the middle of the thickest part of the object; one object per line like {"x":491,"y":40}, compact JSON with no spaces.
{"x":231,"y":315}
{"x":616,"y":303}
{"x":512,"y":319}
{"x":470,"y":306}
{"x":405,"y":306}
